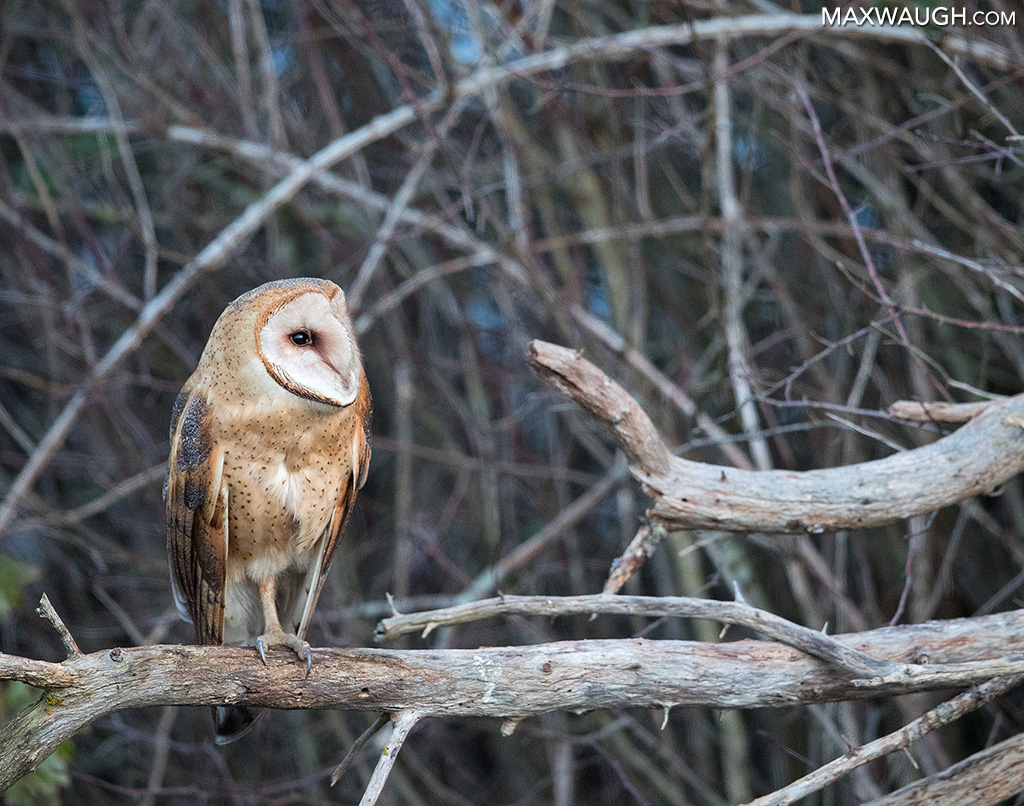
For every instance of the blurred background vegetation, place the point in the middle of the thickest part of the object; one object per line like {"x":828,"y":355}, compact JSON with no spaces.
{"x":670,"y":212}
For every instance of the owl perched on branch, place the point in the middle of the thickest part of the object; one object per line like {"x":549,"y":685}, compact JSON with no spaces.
{"x":270,"y":441}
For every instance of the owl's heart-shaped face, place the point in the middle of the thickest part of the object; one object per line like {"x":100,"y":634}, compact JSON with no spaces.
{"x":308,"y":347}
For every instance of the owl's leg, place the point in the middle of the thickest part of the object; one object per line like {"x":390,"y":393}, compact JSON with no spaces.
{"x":274,"y":635}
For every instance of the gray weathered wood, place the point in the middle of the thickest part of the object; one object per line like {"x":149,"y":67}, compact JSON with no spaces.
{"x":975,"y":459}
{"x":814,"y":643}
{"x":504,"y":683}
{"x":984,"y":779}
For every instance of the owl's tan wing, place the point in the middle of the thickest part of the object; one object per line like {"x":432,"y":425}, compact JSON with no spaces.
{"x":363,"y":410}
{"x":197,"y":516}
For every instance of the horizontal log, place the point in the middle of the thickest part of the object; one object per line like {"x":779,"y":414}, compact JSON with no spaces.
{"x":507,"y":683}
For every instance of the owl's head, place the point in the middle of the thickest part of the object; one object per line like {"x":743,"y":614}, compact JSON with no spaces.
{"x":303,"y":337}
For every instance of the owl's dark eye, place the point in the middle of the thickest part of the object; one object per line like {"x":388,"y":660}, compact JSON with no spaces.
{"x":301,"y":338}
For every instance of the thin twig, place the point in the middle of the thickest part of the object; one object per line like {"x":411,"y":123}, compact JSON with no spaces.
{"x":899,"y":740}
{"x":814,"y":643}
{"x":401,"y":201}
{"x":403,"y":554}
{"x":938,"y":412}
{"x":358,"y":745}
{"x":403,"y":722}
{"x":647,"y":538}
{"x":131,"y":168}
{"x":47,"y":611}
{"x":102,"y":282}
{"x":243,"y":70}
{"x":974,"y":90}
{"x":740,"y":370}
{"x":865,"y":253}
{"x":271,"y":91}
{"x":161,"y":750}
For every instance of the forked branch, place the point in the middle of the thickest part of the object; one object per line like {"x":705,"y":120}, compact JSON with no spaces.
{"x":975,"y":459}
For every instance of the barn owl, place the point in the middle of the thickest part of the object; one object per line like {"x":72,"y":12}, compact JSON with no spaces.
{"x":270,"y":440}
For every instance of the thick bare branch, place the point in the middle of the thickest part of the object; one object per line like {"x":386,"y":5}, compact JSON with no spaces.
{"x":39,"y":673}
{"x":977,"y":458}
{"x":507,"y":682}
{"x":576,"y":377}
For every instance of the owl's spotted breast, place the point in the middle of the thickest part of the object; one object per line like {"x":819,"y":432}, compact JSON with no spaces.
{"x":282,"y":496}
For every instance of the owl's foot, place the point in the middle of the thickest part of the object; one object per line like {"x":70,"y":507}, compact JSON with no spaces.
{"x":281,"y":638}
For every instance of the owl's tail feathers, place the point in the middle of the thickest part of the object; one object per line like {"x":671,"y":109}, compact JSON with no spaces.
{"x":231,"y":722}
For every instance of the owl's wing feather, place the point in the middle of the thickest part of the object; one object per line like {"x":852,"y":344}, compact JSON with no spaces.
{"x":197,"y":516}
{"x":360,"y":464}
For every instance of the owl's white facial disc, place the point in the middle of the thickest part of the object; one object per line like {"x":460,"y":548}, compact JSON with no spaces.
{"x":310,"y":349}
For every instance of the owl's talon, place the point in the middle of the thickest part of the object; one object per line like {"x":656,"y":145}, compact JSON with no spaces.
{"x":293,"y":642}
{"x":302,"y":649}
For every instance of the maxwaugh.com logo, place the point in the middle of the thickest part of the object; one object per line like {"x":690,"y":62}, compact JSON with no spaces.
{"x":941,"y":16}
